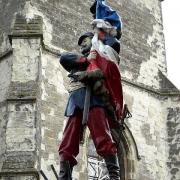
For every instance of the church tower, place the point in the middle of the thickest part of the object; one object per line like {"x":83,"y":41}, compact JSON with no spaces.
{"x":33,"y":90}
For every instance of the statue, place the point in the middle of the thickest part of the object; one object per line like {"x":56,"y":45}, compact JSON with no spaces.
{"x":95,"y":98}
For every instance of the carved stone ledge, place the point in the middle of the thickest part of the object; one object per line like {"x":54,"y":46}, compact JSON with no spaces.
{"x":27,"y":28}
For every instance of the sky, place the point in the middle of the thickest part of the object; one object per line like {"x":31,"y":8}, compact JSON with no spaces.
{"x":171,"y":22}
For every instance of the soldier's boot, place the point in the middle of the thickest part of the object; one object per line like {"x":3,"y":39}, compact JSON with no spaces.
{"x":65,"y":172}
{"x":113,"y":167}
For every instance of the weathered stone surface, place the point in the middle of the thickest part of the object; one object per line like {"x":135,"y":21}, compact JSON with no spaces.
{"x":142,"y":41}
{"x":22,"y":90}
{"x":32,"y":129}
{"x":23,"y":27}
{"x":26,"y":56}
{"x":21,"y":126}
{"x":19,"y":161}
{"x":173,"y":127}
{"x":18,"y":138}
{"x":19,"y":177}
{"x":53,"y":100}
{"x":148,"y":126}
{"x":166,"y":84}
{"x":141,"y":36}
{"x":8,"y":9}
{"x":20,"y":123}
{"x":3,"y":125}
{"x":5,"y":77}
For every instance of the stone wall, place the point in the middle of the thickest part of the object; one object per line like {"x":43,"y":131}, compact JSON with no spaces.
{"x":148,"y":126}
{"x":3,"y":124}
{"x":5,"y":78}
{"x":5,"y":74}
{"x":20,"y":137}
{"x":8,"y":9}
{"x":142,"y":40}
{"x":20,"y":121}
{"x":173,"y":140}
{"x":33,"y":90}
{"x":53,"y":100}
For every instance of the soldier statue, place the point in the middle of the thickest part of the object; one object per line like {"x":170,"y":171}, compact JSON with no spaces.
{"x":95,"y":93}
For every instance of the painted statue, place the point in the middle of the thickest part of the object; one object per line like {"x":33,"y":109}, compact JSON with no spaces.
{"x":95,"y":93}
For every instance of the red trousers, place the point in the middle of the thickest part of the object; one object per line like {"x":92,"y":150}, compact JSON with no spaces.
{"x":99,"y":130}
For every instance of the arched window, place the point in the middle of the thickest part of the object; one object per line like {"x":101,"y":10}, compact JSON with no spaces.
{"x":127,"y":154}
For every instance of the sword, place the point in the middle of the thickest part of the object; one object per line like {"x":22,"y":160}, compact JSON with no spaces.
{"x":86,"y":105}
{"x":85,"y":112}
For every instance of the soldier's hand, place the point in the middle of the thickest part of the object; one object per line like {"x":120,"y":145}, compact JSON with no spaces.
{"x":92,"y":55}
{"x":81,"y":75}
